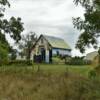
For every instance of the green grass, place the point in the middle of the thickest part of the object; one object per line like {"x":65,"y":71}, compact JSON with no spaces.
{"x":50,"y":68}
{"x":58,"y":68}
{"x":51,"y":82}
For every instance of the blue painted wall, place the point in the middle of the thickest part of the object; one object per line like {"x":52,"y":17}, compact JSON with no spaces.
{"x":61,"y":51}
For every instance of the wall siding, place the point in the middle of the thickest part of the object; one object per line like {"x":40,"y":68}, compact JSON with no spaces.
{"x":61,"y":51}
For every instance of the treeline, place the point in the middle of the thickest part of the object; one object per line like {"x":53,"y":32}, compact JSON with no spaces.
{"x":77,"y":61}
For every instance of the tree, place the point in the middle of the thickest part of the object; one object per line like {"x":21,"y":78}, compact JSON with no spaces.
{"x":13,"y":27}
{"x":89,"y":26}
{"x":13,"y":53}
{"x":27,"y":43}
{"x":3,"y":47}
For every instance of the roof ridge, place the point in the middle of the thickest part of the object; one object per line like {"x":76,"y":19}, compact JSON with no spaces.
{"x":53,"y":37}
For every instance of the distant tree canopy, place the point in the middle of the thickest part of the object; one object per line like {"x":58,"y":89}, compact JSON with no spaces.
{"x":90,"y":25}
{"x":13,"y":27}
{"x":27,"y":43}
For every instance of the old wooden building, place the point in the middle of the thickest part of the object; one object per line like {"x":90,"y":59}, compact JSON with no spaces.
{"x":48,"y":46}
{"x":93,"y":57}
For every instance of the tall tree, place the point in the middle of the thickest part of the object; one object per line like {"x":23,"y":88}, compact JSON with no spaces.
{"x":27,"y":43}
{"x":4,"y":46}
{"x":89,"y":26}
{"x":13,"y":53}
{"x":13,"y":27}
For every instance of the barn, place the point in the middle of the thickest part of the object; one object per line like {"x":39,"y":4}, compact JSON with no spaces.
{"x":48,"y":46}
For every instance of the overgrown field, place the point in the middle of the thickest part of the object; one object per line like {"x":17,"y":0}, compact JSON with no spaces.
{"x":48,"y":82}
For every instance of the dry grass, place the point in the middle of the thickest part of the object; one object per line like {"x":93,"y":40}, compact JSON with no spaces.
{"x":25,"y":84}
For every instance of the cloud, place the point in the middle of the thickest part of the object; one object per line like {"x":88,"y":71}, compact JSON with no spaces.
{"x":50,"y":17}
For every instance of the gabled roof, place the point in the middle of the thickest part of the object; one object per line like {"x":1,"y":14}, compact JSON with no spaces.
{"x":56,"y":42}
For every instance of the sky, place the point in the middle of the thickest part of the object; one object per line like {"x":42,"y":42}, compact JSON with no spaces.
{"x":49,"y":17}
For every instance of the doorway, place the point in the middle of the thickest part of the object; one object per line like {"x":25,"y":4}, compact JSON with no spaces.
{"x":50,"y":56}
{"x":42,"y":54}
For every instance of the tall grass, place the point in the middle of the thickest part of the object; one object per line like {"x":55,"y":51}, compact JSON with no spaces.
{"x":26,"y":83}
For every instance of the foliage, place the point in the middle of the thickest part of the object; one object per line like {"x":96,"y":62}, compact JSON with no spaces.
{"x":13,"y":27}
{"x":77,"y":61}
{"x":4,"y":46}
{"x":92,"y":74}
{"x":90,"y":25}
{"x":20,"y":62}
{"x":27,"y":43}
{"x":58,"y":60}
{"x":13,"y":53}
{"x":3,"y":52}
{"x":16,"y":63}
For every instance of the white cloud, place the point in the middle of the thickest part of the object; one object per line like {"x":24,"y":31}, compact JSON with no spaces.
{"x":51,"y":17}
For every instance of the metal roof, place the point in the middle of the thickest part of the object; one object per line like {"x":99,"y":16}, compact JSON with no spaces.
{"x":56,"y":42}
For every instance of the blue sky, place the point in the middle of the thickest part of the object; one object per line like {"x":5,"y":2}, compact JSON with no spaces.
{"x":49,"y":17}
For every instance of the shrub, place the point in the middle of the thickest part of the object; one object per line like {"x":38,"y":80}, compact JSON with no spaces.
{"x":77,"y":61}
{"x":92,"y":74}
{"x":3,"y":62}
{"x":20,"y":62}
{"x":3,"y":57}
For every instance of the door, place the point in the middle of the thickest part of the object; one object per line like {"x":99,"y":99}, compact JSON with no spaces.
{"x":43,"y":54}
{"x":50,"y":56}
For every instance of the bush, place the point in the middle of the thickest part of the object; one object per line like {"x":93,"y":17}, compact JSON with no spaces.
{"x":20,"y":62}
{"x":3,"y":59}
{"x":3,"y":62}
{"x":77,"y":61}
{"x":92,"y":74}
